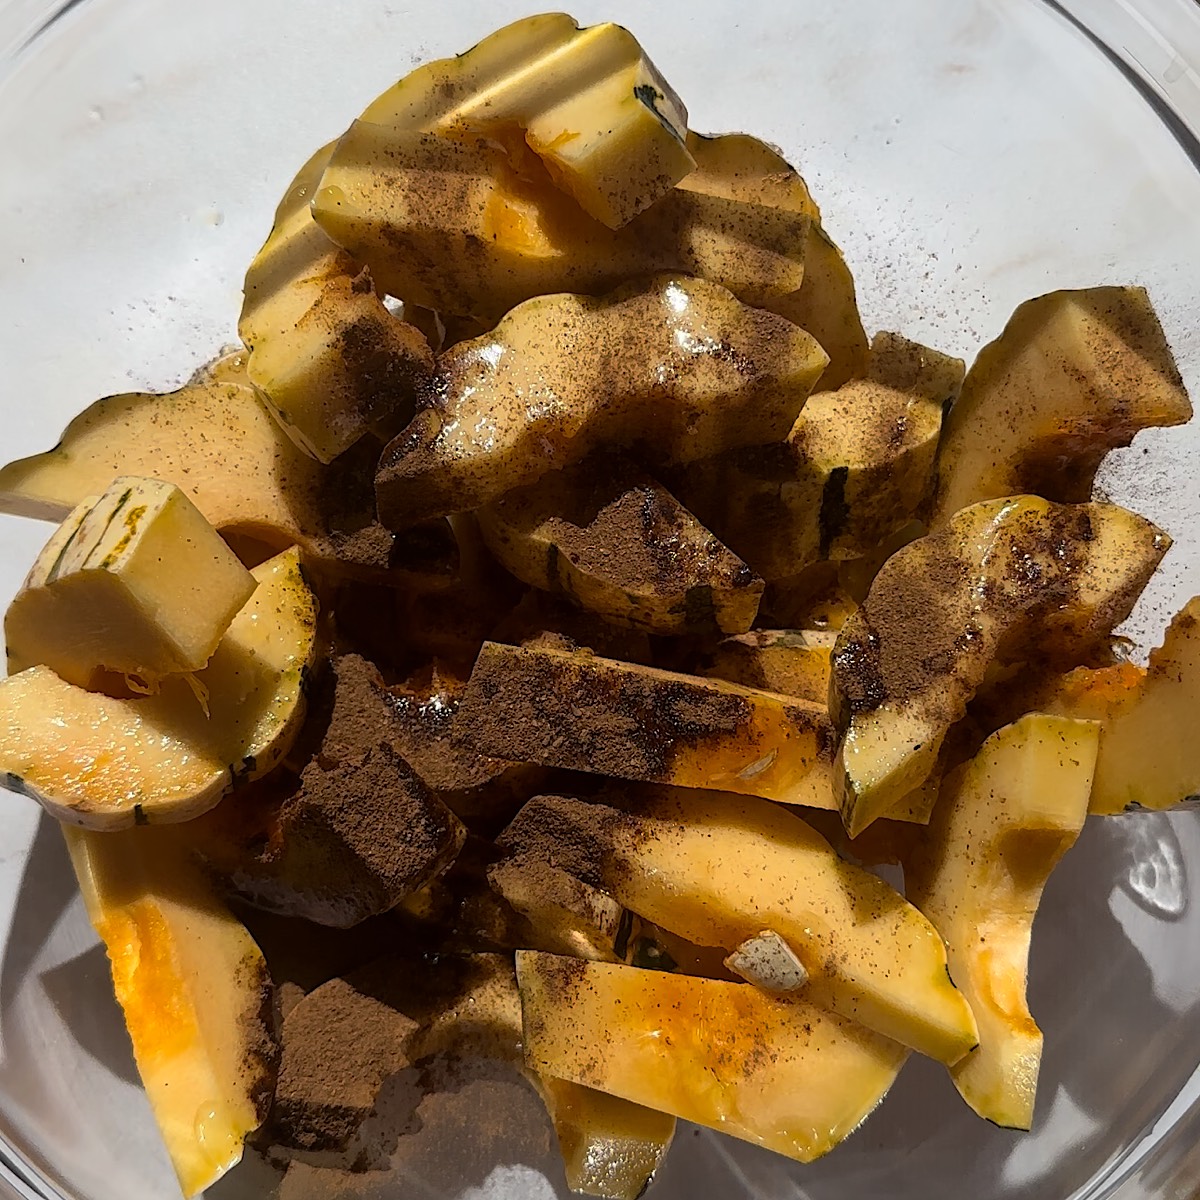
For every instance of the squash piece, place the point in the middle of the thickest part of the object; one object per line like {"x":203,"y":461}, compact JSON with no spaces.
{"x":857,"y":464}
{"x":1085,"y":693}
{"x":740,"y":167}
{"x":718,"y":870}
{"x":794,"y":662}
{"x":135,"y":581}
{"x":314,"y":841}
{"x":1005,"y":579}
{"x":217,"y":443}
{"x":676,"y":367}
{"x":1073,"y":375}
{"x":164,"y":757}
{"x":588,"y":102}
{"x":1148,"y":755}
{"x":855,"y":575}
{"x":464,"y":228}
{"x":780,"y":1074}
{"x":458,"y":226}
{"x":566,"y":915}
{"x":610,"y":1147}
{"x":827,"y":306}
{"x":584,"y":713}
{"x":317,"y":847}
{"x":195,"y":991}
{"x":328,"y":358}
{"x":1003,"y":822}
{"x":621,"y":546}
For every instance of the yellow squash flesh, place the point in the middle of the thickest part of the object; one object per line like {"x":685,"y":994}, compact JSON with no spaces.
{"x":1000,"y":827}
{"x":463,"y":228}
{"x":163,"y":757}
{"x":1148,"y":751}
{"x":194,"y":990}
{"x":588,"y":102}
{"x":1074,"y":374}
{"x":792,"y":662}
{"x":743,"y":168}
{"x":857,"y":464}
{"x":780,"y":1074}
{"x":216,"y":442}
{"x":135,"y":581}
{"x":621,"y":546}
{"x":1004,"y":579}
{"x":610,"y":1147}
{"x":675,"y":366}
{"x":718,"y":870}
{"x":328,"y":358}
{"x":584,"y":713}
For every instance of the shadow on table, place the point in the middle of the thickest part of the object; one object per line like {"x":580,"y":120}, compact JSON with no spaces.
{"x":80,"y":988}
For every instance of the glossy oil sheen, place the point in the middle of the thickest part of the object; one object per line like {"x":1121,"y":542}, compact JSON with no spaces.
{"x":966,"y":153}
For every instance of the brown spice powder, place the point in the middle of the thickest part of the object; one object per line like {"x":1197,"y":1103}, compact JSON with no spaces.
{"x":594,"y":715}
{"x":339,"y":1044}
{"x":568,"y":834}
{"x":358,"y":830}
{"x":355,"y":840}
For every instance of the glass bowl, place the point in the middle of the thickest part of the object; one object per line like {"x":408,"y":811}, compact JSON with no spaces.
{"x":967,"y":153}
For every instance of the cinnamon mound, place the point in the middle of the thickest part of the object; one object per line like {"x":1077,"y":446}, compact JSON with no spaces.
{"x":353,"y":834}
{"x":345,"y":1038}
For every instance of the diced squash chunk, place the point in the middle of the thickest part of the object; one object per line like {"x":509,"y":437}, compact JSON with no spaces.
{"x":328,"y":358}
{"x":587,"y":102}
{"x":163,"y":757}
{"x":610,"y":1147}
{"x":675,"y":366}
{"x":459,"y":227}
{"x":566,"y":915}
{"x":793,"y":662}
{"x":620,"y":545}
{"x":1074,"y":374}
{"x":1005,"y":575}
{"x":857,"y":464}
{"x":743,"y":168}
{"x":215,"y":441}
{"x":592,"y":714}
{"x":1149,"y":756}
